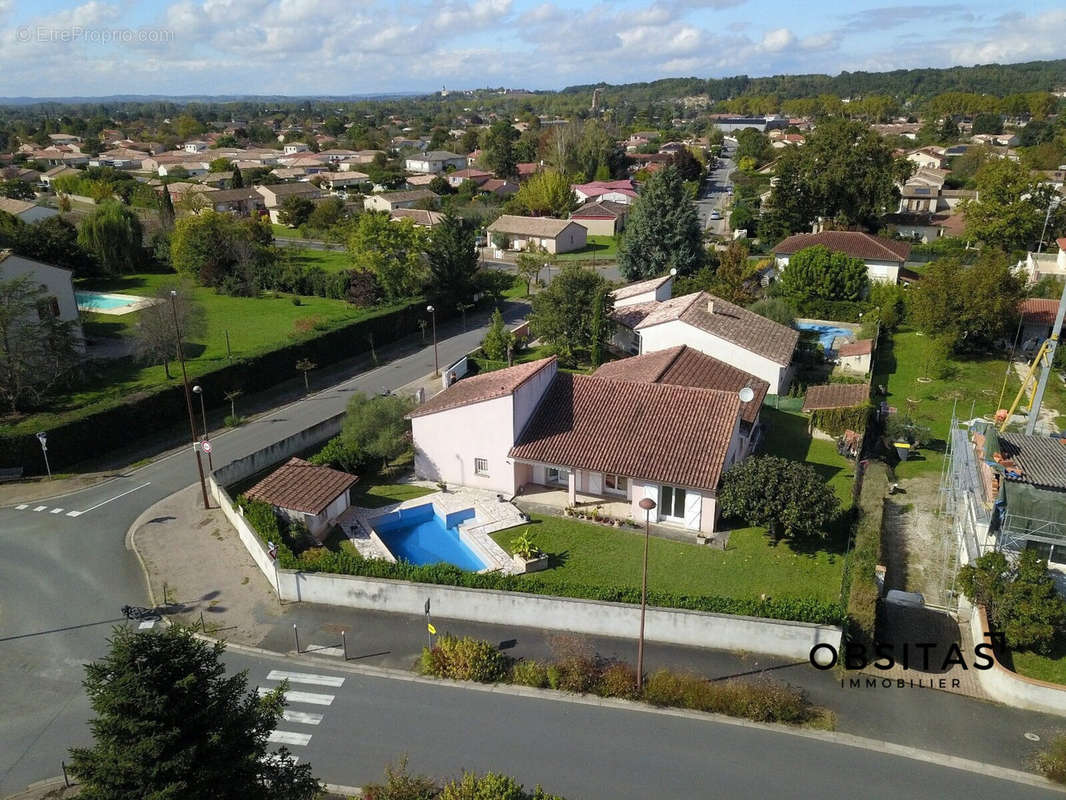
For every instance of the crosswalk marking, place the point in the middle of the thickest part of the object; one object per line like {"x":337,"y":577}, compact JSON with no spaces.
{"x":56,"y":511}
{"x":303,"y":697}
{"x":73,"y":513}
{"x":305,"y":677}
{"x":40,"y":508}
{"x":146,"y":625}
{"x":303,"y":717}
{"x":287,"y":737}
{"x":22,"y":506}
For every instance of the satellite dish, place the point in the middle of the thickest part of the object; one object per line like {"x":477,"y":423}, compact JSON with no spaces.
{"x":746,"y":395}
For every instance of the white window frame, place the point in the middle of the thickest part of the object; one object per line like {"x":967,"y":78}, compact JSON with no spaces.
{"x":481,"y":467}
{"x":668,"y":513}
{"x":560,"y":474}
{"x":609,"y":478}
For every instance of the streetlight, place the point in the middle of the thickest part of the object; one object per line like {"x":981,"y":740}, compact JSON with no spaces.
{"x":436,"y":363}
{"x":42,"y":437}
{"x":647,"y":504}
{"x":188,"y":397}
{"x":198,"y":389}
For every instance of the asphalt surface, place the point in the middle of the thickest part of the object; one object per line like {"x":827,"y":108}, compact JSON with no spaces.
{"x":64,"y":578}
{"x":715,"y":195}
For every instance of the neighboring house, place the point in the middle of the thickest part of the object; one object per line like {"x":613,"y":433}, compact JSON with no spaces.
{"x":217,"y":180}
{"x":292,"y":148}
{"x":420,"y":181}
{"x":342,"y":181}
{"x":59,"y":300}
{"x":275,"y":195}
{"x":685,"y":366}
{"x":497,"y":187}
{"x":302,"y":492}
{"x":390,"y":201}
{"x":26,"y":210}
{"x":602,"y":217}
{"x":918,"y":198}
{"x":857,"y":356}
{"x":924,"y":227}
{"x":531,"y":426}
{"x":1041,"y":265}
{"x":527,"y":169}
{"x":242,"y":202}
{"x":420,"y":217}
{"x":950,"y":198}
{"x":884,"y":258}
{"x":119,"y":158}
{"x":615,"y":191}
{"x":434,"y":162}
{"x":196,"y":146}
{"x":478,"y":176}
{"x":1038,"y":320}
{"x":552,"y":235}
{"x":653,"y":290}
{"x":933,"y":157}
{"x":289,"y":173}
{"x":715,"y":327}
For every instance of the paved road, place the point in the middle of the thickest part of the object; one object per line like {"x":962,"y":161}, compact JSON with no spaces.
{"x":63,"y":577}
{"x":715,"y":195}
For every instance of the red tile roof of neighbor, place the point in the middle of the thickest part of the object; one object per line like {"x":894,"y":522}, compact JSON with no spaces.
{"x":727,"y":321}
{"x":640,"y":287}
{"x":1038,"y":309}
{"x":486,"y":386}
{"x":651,"y":431}
{"x":862,"y":347}
{"x":299,"y":485}
{"x":600,"y":209}
{"x":836,"y":395}
{"x":684,"y":366}
{"x":853,"y":243}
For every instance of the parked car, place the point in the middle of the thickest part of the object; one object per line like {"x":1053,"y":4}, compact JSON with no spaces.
{"x":716,"y":214}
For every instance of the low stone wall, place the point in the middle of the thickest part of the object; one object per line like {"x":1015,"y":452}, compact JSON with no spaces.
{"x":1009,"y":687}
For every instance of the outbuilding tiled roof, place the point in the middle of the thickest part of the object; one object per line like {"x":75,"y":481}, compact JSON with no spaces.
{"x":299,"y":485}
{"x":1039,"y":310}
{"x":640,"y":287}
{"x":730,"y":322}
{"x":651,"y":431}
{"x":479,"y":388}
{"x":1042,"y":459}
{"x":684,"y":366}
{"x":600,"y":209}
{"x":836,"y":395}
{"x":854,"y":243}
{"x":529,"y":226}
{"x":862,"y":347}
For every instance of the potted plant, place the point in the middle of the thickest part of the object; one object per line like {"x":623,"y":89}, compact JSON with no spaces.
{"x":526,"y":555}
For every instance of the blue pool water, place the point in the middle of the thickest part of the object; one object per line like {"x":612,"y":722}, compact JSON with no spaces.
{"x":419,"y":536}
{"x":826,"y":333}
{"x":96,"y":300}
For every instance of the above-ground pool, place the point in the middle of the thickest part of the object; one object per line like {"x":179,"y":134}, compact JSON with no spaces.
{"x":419,"y":536}
{"x":826,"y":333}
{"x":105,"y":303}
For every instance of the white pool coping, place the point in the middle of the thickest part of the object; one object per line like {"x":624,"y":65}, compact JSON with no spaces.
{"x":136,"y":303}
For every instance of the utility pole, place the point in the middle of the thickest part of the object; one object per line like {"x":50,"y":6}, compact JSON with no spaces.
{"x":188,"y":397}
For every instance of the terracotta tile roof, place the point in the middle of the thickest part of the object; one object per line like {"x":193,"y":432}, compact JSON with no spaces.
{"x":299,"y":485}
{"x":13,"y":206}
{"x":478,"y":389}
{"x":685,"y":366}
{"x":427,"y":219}
{"x":853,"y":243}
{"x":640,"y":287}
{"x":600,"y":209}
{"x":836,"y":395}
{"x":651,"y":431}
{"x":632,"y":315}
{"x":406,"y":197}
{"x":730,"y":322}
{"x":1039,"y":309}
{"x":1061,"y":242}
{"x":861,"y":347}
{"x":529,"y":226}
{"x":1042,"y":459}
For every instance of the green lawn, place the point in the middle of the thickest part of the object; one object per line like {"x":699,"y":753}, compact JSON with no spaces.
{"x":284,"y":232}
{"x":750,"y":566}
{"x":600,"y":248}
{"x":329,"y":260}
{"x":254,"y":325}
{"x":376,"y":495}
{"x":1050,"y":668}
{"x":975,"y":383}
{"x":786,"y":436}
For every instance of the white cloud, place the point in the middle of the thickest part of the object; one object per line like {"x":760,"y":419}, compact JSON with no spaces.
{"x":777,"y":40}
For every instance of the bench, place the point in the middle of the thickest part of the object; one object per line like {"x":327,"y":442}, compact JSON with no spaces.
{"x":10,"y":474}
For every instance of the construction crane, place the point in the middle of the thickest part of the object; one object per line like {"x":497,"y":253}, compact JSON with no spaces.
{"x":1042,"y":362}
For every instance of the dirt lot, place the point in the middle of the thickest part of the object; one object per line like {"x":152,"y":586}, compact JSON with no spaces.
{"x":918,"y":546}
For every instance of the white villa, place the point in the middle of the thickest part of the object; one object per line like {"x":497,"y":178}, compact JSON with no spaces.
{"x":884,"y":258}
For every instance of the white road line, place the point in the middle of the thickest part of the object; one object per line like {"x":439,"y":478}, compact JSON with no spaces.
{"x":303,"y":697}
{"x":56,"y":511}
{"x":285,"y":737}
{"x":304,"y":677}
{"x":22,"y":507}
{"x":323,"y":650}
{"x":146,"y":625}
{"x":40,"y":508}
{"x":116,"y":497}
{"x":304,"y":717}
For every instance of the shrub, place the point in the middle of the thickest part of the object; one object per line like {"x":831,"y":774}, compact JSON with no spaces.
{"x":465,"y":659}
{"x":835,"y":421}
{"x":399,"y":785}
{"x":1051,"y":763}
{"x":761,"y":701}
{"x":579,"y":668}
{"x":860,"y":580}
{"x":618,"y":680}
{"x":529,"y":673}
{"x":664,"y":688}
{"x":489,"y":786}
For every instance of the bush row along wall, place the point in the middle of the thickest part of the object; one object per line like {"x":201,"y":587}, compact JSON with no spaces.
{"x":95,"y":434}
{"x":863,"y":591}
{"x":835,"y":421}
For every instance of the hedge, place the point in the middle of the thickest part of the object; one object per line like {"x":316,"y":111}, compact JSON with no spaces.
{"x":835,"y":421}
{"x":141,"y":414}
{"x":866,"y":555}
{"x":837,"y":310}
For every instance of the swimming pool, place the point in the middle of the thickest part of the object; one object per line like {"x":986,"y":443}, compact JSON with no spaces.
{"x":418,"y":535}
{"x":826,"y":333}
{"x":107,"y":303}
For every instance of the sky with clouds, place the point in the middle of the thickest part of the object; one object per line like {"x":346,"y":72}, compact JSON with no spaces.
{"x":300,"y":47}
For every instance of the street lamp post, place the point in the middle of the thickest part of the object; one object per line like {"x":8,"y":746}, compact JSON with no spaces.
{"x":42,"y":437}
{"x":188,"y":397}
{"x":436,"y":363}
{"x":647,"y":504}
{"x":198,"y":389}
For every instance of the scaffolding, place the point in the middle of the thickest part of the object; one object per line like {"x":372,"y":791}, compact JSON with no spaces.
{"x":947,"y":533}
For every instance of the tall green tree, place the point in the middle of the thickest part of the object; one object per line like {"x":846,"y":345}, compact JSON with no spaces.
{"x":114,"y":235}
{"x":156,"y":336}
{"x":498,"y":149}
{"x":663,"y":231}
{"x":547,"y":193}
{"x":498,"y":339}
{"x":453,"y":261}
{"x":166,"y":210}
{"x":170,"y":723}
{"x":237,"y":182}
{"x":374,"y":433}
{"x":818,"y":272}
{"x":16,"y":189}
{"x":845,"y":172}
{"x":223,"y":251}
{"x":393,"y":252}
{"x":295,"y":211}
{"x":787,"y":497}
{"x":564,"y":312}
{"x":1010,"y":206}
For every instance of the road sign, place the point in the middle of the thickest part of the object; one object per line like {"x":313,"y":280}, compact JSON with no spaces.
{"x":272,"y":550}
{"x":430,"y":628}
{"x":205,"y":446}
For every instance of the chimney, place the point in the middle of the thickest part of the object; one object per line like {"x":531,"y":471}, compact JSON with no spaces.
{"x":710,"y":305}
